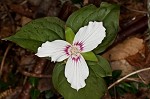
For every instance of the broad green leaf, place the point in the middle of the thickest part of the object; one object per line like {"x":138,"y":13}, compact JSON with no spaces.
{"x":107,"y":13}
{"x":38,"y":31}
{"x":69,"y":34}
{"x":76,"y":20}
{"x":90,"y":56}
{"x":34,"y":93}
{"x":101,"y":68}
{"x":111,"y":22}
{"x":95,"y":86}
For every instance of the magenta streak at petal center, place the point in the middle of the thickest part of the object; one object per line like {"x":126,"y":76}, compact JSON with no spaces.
{"x":76,"y":58}
{"x":66,"y":50}
{"x":80,"y":45}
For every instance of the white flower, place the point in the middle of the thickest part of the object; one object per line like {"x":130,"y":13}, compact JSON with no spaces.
{"x":76,"y":69}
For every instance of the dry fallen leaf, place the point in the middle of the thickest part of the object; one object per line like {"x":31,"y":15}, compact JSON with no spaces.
{"x":25,"y":20}
{"x":118,"y":54}
{"x":127,"y":48}
{"x":5,"y":32}
{"x":122,"y":65}
{"x":140,"y":61}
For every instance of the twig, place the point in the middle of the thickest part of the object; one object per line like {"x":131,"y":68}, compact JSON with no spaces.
{"x":123,"y":78}
{"x":21,"y":10}
{"x":133,"y":79}
{"x":142,"y":79}
{"x":34,"y":74}
{"x":9,"y":92}
{"x":4,"y":57}
{"x":134,"y":10}
{"x":137,"y":27}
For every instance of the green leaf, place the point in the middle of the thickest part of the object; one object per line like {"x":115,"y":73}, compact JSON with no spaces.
{"x":69,"y":34}
{"x":95,"y":86}
{"x":38,"y":31}
{"x":107,"y":13}
{"x":111,"y":22}
{"x":90,"y":56}
{"x":127,"y":87}
{"x":34,"y":81}
{"x":101,"y":68}
{"x":75,"y":20}
{"x":34,"y":93}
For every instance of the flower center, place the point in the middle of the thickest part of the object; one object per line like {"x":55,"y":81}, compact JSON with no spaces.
{"x":74,"y":50}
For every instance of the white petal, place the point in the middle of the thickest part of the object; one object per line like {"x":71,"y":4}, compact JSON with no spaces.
{"x":54,"y":49}
{"x":76,"y":71}
{"x":89,"y":37}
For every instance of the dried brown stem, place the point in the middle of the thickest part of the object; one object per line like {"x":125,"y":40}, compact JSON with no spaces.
{"x":123,"y":78}
{"x":137,"y":27}
{"x":9,"y":92}
{"x":133,"y":79}
{"x":134,"y":10}
{"x":34,"y":74}
{"x":4,"y":57}
{"x":21,"y":10}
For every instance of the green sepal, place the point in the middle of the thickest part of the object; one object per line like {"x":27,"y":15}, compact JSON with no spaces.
{"x":69,"y":34}
{"x":90,"y":56}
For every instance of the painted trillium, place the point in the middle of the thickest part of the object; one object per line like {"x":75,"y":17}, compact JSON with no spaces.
{"x":85,"y":40}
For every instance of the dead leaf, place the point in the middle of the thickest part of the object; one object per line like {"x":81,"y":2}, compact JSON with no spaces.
{"x":25,"y":20}
{"x":127,"y":48}
{"x":21,"y":10}
{"x":122,"y":65}
{"x":140,"y":61}
{"x":136,"y":60}
{"x":5,"y":32}
{"x":118,"y":54}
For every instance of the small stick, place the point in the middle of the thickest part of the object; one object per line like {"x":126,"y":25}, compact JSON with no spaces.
{"x":123,"y":78}
{"x":34,"y":74}
{"x":4,"y":57}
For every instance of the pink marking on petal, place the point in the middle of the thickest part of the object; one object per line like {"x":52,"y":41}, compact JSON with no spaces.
{"x":66,"y":50}
{"x":80,"y":45}
{"x":76,"y":58}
